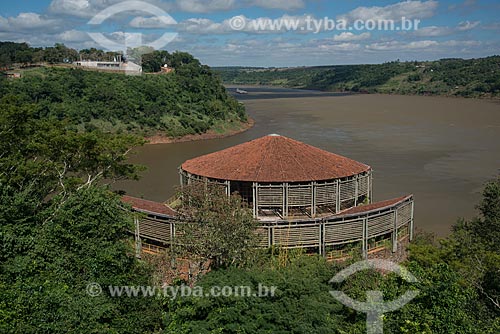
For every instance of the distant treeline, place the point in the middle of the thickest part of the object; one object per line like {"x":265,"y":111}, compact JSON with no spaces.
{"x":22,"y":54}
{"x":190,"y":100}
{"x":452,"y":77}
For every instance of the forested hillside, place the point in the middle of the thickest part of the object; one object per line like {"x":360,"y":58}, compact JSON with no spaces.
{"x":61,"y":228}
{"x":450,"y":77}
{"x":191,"y":100}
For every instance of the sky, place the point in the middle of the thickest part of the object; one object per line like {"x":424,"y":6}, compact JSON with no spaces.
{"x":279,"y":33}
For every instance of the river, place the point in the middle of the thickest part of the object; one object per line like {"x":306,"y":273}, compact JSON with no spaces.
{"x":442,"y":150}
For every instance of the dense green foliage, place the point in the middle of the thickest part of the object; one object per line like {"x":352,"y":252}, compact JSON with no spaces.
{"x":458,"y":77}
{"x":61,"y":228}
{"x":226,"y":224}
{"x":153,"y":61}
{"x":301,"y":304}
{"x":189,"y":101}
{"x":21,"y":53}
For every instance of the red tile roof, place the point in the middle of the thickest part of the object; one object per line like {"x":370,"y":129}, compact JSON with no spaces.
{"x":143,"y":205}
{"x":374,"y":206}
{"x":274,"y":158}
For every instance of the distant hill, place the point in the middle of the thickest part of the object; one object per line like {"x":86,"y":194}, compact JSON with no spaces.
{"x":450,"y":77}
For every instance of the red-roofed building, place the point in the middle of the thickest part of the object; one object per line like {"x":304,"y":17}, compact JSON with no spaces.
{"x":282,"y":177}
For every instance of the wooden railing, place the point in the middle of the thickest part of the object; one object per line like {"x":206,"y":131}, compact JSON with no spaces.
{"x":394,"y":221}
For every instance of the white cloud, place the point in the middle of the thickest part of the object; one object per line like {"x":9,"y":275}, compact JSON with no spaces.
{"x":202,"y":26}
{"x":435,"y":31}
{"x":462,"y":44}
{"x":349,"y":36}
{"x":152,"y":22}
{"x":407,"y":9}
{"x":492,"y":26}
{"x":73,"y":36}
{"x":465,"y":6}
{"x":467,"y":25}
{"x":401,"y":46}
{"x":27,"y":22}
{"x":260,"y":25}
{"x":340,"y":47}
{"x":279,"y":4}
{"x":205,"y":6}
{"x":89,"y":8}
{"x":445,"y":48}
{"x":80,"y":8}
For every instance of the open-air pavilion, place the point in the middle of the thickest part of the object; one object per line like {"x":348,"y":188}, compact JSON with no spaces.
{"x":283,"y":178}
{"x":303,"y":197}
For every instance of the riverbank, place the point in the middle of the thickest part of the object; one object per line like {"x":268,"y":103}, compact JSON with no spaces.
{"x":216,"y":133}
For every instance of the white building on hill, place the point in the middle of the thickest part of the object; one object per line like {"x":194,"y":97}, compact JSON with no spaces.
{"x":127,"y":67}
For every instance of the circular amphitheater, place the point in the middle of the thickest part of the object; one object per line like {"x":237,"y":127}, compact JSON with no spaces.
{"x":282,"y":178}
{"x":303,"y":197}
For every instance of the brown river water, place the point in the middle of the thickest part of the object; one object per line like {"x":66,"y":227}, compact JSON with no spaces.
{"x":442,"y":150}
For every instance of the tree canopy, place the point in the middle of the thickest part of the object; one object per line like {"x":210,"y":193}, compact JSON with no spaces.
{"x":191,"y":100}
{"x":61,"y":229}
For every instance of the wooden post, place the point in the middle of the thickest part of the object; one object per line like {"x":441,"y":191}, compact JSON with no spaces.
{"x":181,"y":181}
{"x":368,"y":195}
{"x":138,"y":244}
{"x":337,"y":199}
{"x":285,"y":204}
{"x":255,"y":205}
{"x":313,"y":199}
{"x":172,"y":251}
{"x":356,"y":190}
{"x":411,"y":221}
{"x":320,"y":239}
{"x":271,"y":233}
{"x":365,"y":239}
{"x":395,"y":233}
{"x":228,"y":188}
{"x":172,"y":232}
{"x":371,"y":186}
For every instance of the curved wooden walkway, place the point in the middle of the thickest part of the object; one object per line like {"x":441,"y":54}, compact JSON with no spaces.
{"x":357,"y":225}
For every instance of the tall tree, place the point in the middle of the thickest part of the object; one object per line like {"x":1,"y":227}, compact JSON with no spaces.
{"x":220,"y":228}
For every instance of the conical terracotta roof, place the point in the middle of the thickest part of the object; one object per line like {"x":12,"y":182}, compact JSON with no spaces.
{"x":273,"y":158}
